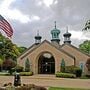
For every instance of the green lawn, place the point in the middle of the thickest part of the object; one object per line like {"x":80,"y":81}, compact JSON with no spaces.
{"x":58,"y":88}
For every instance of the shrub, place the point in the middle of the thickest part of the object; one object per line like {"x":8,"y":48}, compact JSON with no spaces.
{"x":78,"y":72}
{"x":84,"y":77}
{"x":88,"y":76}
{"x":65,"y":75}
{"x":27,"y":65}
{"x":74,"y":70}
{"x":4,"y":74}
{"x":17,"y":68}
{"x":62,"y":66}
{"x":70,"y":69}
{"x":26,"y":73}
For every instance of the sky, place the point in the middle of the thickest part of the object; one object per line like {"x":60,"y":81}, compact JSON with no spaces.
{"x":27,"y":17}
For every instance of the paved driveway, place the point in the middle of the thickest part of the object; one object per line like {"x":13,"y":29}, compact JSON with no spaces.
{"x":49,"y":80}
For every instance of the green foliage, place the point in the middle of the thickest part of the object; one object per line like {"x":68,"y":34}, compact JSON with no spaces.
{"x":87,"y":26}
{"x":65,"y":75}
{"x":78,"y":72}
{"x":22,"y":49}
{"x":74,"y":70}
{"x":7,"y":48}
{"x":27,"y":65}
{"x":62,"y":66}
{"x":26,"y":73}
{"x":85,"y":46}
{"x":85,"y":77}
{"x":17,"y":69}
{"x":88,"y":76}
{"x":70,"y":69}
{"x":4,"y":74}
{"x":1,"y":61}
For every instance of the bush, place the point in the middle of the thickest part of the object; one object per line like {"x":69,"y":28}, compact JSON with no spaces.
{"x":88,"y":76}
{"x":62,"y":66}
{"x":84,"y":77}
{"x":65,"y":75}
{"x":70,"y":69}
{"x":78,"y":72}
{"x":27,"y":65}
{"x":26,"y":73}
{"x":4,"y":74}
{"x":17,"y":69}
{"x":27,"y":70}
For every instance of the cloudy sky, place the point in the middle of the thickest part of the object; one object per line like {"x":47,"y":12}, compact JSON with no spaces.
{"x":28,"y":16}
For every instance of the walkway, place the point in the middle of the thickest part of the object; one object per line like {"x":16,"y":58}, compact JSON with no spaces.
{"x":48,"y":81}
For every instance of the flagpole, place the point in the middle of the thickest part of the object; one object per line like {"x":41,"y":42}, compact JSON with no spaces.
{"x":1,"y":43}
{"x":1,"y":63}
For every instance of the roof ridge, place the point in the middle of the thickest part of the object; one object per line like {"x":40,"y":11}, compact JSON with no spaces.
{"x":26,"y":50}
{"x":48,"y":43}
{"x":75,"y":48}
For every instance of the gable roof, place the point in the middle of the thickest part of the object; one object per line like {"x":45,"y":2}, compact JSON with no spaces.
{"x":33,"y":47}
{"x":72,"y":46}
{"x":28,"y":49}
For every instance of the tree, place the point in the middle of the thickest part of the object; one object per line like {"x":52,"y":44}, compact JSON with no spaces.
{"x":9,"y":50}
{"x":27,"y":65}
{"x":22,"y":49}
{"x":87,"y":26}
{"x":62,"y":66}
{"x":85,"y":46}
{"x":8,"y":64}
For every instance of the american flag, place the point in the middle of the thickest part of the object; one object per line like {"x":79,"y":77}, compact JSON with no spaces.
{"x":5,"y":26}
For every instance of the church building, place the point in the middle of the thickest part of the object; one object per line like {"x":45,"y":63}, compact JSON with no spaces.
{"x":46,"y":57}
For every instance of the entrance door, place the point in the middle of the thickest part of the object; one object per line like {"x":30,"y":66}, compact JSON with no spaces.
{"x":45,"y":69}
{"x":46,"y":65}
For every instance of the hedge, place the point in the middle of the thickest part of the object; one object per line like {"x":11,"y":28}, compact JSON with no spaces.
{"x":70,"y":69}
{"x":26,"y":73}
{"x":78,"y":72}
{"x":65,"y":75}
{"x":74,"y":70}
{"x":4,"y":74}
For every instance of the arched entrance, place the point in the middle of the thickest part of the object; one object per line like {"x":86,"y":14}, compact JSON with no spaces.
{"x":46,"y":64}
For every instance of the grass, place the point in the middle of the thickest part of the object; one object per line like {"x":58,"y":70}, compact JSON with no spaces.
{"x":59,"y":88}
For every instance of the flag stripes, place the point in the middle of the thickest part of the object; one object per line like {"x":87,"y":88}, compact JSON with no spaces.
{"x":5,"y":26}
{"x":6,"y":29}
